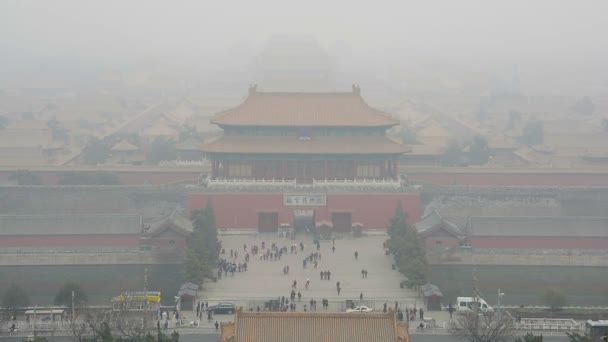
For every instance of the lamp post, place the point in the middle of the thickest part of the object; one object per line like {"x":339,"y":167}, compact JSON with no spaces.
{"x":34,"y":328}
{"x":145,"y":301}
{"x":500,"y":295}
{"x":72,"y":307}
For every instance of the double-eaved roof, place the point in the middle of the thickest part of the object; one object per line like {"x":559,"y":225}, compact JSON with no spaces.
{"x":347,"y":109}
{"x":295,"y":145}
{"x":313,"y":327}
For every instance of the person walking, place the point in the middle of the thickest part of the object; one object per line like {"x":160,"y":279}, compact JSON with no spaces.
{"x":217,"y":325}
{"x":299,"y":296}
{"x":450,"y":310}
{"x":361,"y":296}
{"x":421,"y":313}
{"x":356,"y":255}
{"x":322,"y":275}
{"x":333,"y":249}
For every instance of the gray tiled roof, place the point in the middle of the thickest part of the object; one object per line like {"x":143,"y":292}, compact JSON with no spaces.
{"x":175,"y":219}
{"x":539,"y":226}
{"x":434,"y":222}
{"x":69,"y":225}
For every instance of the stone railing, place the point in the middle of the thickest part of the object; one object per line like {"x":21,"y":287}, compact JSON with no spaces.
{"x":185,"y":163}
{"x":250,"y":182}
{"x":549,"y":324}
{"x":338,"y":185}
{"x":377,"y":183}
{"x":316,"y":183}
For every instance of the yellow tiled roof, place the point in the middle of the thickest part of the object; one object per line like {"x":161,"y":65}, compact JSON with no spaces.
{"x":124,"y":145}
{"x":314,"y":327}
{"x":304,"y":109}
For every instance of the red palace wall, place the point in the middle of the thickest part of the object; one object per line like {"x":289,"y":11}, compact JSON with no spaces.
{"x":126,"y":177}
{"x":70,"y":241}
{"x":538,"y":242}
{"x":509,"y":179}
{"x":240,"y":211}
{"x":133,"y":176}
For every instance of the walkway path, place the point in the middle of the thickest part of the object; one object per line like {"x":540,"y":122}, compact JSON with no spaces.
{"x":265,"y":280}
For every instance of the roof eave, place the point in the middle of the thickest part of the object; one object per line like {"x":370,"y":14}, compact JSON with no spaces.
{"x":222,"y":124}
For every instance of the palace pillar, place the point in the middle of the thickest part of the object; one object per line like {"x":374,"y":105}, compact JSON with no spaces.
{"x":395,"y":169}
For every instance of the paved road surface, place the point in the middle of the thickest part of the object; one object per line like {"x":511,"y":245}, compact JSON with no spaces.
{"x":448,"y":338}
{"x":216,"y":338}
{"x":265,"y":280}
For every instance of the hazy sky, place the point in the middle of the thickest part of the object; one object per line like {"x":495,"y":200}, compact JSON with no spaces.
{"x":81,"y":27}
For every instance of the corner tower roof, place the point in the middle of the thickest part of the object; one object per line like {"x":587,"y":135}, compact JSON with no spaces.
{"x":279,"y":109}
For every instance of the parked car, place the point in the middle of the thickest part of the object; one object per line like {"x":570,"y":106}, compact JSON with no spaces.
{"x":360,"y":309}
{"x":222,"y":309}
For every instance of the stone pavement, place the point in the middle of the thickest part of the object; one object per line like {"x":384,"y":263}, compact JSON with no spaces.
{"x":265,"y":280}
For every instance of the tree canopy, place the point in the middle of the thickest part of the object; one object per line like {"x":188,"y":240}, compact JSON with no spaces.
{"x":3,"y":121}
{"x":64,"y":295}
{"x":584,"y":106}
{"x":97,"y":151}
{"x":203,"y":246}
{"x":453,"y":156}
{"x":14,"y":298}
{"x":554,"y":298}
{"x":407,"y":249}
{"x":87,"y":178}
{"x":529,"y":337}
{"x":533,"y":133}
{"x":479,"y":153}
{"x":161,"y":149}
{"x":482,"y":327}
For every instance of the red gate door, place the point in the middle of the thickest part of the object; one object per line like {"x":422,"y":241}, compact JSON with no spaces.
{"x":268,"y":222}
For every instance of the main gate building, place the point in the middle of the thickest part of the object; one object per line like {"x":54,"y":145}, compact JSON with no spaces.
{"x":305,"y":161}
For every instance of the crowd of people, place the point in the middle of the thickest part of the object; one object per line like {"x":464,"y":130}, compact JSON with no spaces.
{"x":274,"y":251}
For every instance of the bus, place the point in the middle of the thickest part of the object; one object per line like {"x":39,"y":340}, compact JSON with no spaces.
{"x":136,"y":301}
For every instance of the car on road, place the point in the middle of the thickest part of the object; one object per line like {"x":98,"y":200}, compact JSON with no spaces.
{"x":222,"y":309}
{"x":360,"y":309}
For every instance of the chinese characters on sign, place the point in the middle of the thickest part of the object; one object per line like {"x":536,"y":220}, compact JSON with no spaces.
{"x":303,"y":212}
{"x":304,"y":200}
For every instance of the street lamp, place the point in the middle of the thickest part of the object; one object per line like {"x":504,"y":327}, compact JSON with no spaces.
{"x":500,"y":295}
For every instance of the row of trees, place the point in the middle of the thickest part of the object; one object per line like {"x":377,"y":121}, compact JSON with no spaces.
{"x":500,"y":327}
{"x":92,"y":325}
{"x":27,"y":177}
{"x":475,"y":152}
{"x":15,"y":297}
{"x":97,"y":151}
{"x":203,"y":247}
{"x":107,"y":326}
{"x":407,"y":249}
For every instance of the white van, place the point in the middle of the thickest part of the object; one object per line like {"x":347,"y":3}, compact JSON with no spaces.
{"x":469,"y":303}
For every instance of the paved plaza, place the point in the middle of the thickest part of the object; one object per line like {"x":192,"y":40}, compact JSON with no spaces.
{"x":265,"y":280}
